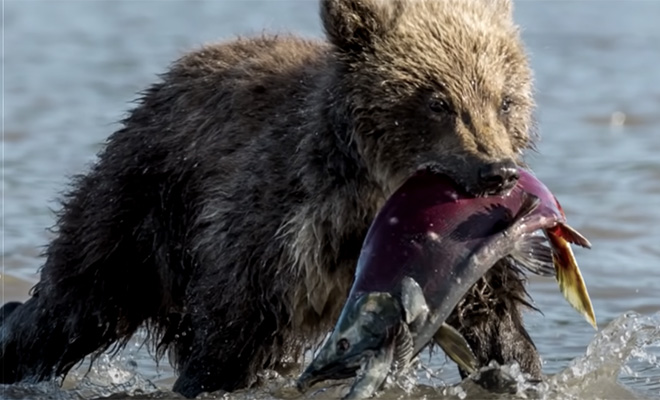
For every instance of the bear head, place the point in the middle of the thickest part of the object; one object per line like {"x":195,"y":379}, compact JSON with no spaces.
{"x":441,"y":84}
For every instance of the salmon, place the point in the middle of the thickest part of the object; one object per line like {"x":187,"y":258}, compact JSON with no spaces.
{"x":428,"y":245}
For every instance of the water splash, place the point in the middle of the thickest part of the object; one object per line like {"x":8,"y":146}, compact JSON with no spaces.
{"x":622,"y":361}
{"x":112,"y":375}
{"x":107,"y":376}
{"x":627,"y":348}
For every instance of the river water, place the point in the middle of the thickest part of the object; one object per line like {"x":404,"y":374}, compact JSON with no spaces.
{"x":72,"y":67}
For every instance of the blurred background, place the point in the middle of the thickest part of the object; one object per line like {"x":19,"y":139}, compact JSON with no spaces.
{"x":72,"y":68}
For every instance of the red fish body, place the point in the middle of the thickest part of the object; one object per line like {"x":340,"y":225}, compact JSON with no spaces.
{"x":429,"y":224}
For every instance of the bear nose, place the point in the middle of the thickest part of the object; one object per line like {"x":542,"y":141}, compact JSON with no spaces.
{"x":498,"y":177}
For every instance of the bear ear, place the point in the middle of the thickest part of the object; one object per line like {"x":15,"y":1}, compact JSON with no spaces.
{"x":354,"y":25}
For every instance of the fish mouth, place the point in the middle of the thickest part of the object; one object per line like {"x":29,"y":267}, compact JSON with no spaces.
{"x":364,"y":330}
{"x":343,"y":369}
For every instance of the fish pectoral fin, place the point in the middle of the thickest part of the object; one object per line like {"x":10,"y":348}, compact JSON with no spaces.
{"x":532,"y":253}
{"x":412,"y":300}
{"x":456,"y":347}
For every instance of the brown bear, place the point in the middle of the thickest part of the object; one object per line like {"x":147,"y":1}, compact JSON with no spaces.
{"x":228,"y":212}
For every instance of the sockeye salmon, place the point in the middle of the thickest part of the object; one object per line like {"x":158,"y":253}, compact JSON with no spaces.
{"x":428,"y":245}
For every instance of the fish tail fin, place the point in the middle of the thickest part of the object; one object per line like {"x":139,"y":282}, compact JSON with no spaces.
{"x":570,"y":279}
{"x":573,"y":236}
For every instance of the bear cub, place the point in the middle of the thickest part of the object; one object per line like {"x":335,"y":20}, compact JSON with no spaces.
{"x":228,"y":211}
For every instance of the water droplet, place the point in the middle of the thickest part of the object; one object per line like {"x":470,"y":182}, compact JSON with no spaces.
{"x":394,"y":221}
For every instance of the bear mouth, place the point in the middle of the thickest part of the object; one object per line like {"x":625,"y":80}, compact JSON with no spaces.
{"x":460,"y":182}
{"x":451,"y":181}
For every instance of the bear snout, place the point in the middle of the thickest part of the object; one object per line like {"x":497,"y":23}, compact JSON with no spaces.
{"x":476,"y":176}
{"x":497,"y":178}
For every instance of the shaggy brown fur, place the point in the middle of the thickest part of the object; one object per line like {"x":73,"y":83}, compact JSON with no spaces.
{"x":229,"y":210}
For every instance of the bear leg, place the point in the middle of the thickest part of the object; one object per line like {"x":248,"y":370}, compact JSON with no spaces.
{"x":41,"y":339}
{"x":67,"y":319}
{"x":226,"y":351}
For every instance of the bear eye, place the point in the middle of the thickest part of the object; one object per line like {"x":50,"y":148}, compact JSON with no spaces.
{"x":505,"y":107}
{"x":439,"y":105}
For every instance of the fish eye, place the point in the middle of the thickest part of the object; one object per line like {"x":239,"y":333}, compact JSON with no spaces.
{"x":343,"y":345}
